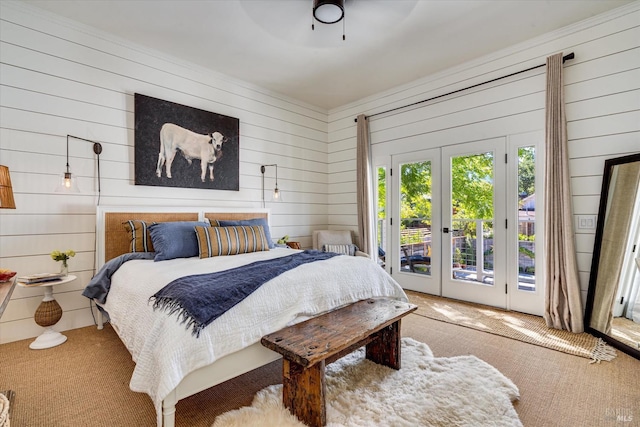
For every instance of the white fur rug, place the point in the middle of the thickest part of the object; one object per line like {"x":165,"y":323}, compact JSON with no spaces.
{"x":427,"y":391}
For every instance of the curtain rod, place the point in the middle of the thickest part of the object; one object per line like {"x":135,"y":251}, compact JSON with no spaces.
{"x":564,"y":58}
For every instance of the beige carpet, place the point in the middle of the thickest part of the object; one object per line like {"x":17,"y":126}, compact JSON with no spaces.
{"x":85,"y":381}
{"x":509,"y":324}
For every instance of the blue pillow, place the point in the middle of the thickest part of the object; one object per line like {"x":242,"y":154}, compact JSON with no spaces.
{"x":254,"y":221}
{"x":175,"y":239}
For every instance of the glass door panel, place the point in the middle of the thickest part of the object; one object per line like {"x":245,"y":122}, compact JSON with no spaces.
{"x":381,"y":216}
{"x":525,"y":207}
{"x":472,"y":194}
{"x":526,"y":218}
{"x":417,"y":221}
{"x":415,"y":217}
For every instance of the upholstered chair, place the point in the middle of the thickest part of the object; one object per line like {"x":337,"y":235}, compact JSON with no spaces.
{"x":334,"y":237}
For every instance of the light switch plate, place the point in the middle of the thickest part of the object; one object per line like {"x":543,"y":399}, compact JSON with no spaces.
{"x":587,"y":222}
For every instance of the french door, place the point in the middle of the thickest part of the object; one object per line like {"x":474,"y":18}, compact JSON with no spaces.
{"x":463,"y":221}
{"x":473,"y":218}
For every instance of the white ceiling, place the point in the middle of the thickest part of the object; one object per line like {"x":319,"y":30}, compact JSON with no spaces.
{"x":270,"y":42}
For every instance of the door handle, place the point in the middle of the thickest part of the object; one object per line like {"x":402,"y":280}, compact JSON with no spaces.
{"x":445,"y":230}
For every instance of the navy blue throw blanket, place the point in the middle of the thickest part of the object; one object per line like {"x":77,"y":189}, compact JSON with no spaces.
{"x":202,"y":298}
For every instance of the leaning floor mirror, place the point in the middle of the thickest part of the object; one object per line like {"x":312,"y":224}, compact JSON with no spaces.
{"x":613,"y":302}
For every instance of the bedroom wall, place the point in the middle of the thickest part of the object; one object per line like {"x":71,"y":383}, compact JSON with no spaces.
{"x":58,"y":77}
{"x":602,"y":90}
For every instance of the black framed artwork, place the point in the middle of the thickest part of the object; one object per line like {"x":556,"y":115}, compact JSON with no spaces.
{"x":181,"y":146}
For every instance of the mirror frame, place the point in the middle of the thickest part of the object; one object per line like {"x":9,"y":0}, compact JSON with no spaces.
{"x":604,"y":195}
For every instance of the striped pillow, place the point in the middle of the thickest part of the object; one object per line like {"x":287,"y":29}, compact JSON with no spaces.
{"x":251,"y":221}
{"x":140,"y":237}
{"x":345,"y":249}
{"x":240,"y":239}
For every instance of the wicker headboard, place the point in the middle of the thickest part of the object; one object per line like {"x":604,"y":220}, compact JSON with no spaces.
{"x":114,"y":240}
{"x":235,"y":215}
{"x":118,"y":240}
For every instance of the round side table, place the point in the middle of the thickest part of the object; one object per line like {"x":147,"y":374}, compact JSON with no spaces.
{"x":48,"y":314}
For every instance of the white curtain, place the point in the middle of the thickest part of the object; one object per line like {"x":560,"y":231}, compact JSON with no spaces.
{"x":628,"y":296}
{"x":363,"y":167}
{"x":633,"y":312}
{"x":563,"y":307}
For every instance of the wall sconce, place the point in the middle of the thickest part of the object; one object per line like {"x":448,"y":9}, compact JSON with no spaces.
{"x":6,"y":191}
{"x":277,"y":196}
{"x":68,"y":183}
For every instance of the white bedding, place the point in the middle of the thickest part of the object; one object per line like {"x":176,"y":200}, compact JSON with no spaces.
{"x":165,"y":351}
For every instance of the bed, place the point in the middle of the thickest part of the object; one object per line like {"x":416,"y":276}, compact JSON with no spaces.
{"x":173,"y":362}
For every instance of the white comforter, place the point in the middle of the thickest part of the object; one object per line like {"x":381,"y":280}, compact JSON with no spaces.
{"x":165,"y":351}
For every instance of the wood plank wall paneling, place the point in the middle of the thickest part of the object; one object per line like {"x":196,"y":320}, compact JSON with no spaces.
{"x":58,"y":77}
{"x":602,"y":90}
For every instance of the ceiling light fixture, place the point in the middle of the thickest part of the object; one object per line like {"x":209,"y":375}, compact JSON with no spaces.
{"x":328,"y":12}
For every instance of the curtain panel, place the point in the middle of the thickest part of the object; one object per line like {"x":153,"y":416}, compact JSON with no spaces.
{"x":363,"y":170}
{"x":563,"y":306}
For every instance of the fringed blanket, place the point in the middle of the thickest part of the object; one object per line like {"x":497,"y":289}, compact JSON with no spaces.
{"x":202,"y":298}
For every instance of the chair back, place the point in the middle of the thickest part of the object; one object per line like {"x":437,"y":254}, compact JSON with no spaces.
{"x":331,"y":237}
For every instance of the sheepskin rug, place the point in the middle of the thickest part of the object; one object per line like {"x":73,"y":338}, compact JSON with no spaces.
{"x":427,"y":391}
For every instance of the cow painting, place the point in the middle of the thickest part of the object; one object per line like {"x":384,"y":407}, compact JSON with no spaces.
{"x":206,"y":148}
{"x":180,"y":146}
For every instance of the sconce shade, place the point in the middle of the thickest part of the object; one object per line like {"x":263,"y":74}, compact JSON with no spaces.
{"x":68,"y":183}
{"x":328,"y":11}
{"x":6,"y":191}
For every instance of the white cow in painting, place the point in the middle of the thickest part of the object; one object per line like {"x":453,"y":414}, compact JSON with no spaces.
{"x":207,"y":148}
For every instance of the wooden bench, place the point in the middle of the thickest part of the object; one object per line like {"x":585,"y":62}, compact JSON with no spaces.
{"x":310,"y":345}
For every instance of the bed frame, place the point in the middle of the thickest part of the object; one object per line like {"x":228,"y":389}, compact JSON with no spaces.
{"x":112,"y":240}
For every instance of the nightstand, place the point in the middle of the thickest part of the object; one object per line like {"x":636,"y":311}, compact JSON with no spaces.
{"x":48,"y":314}
{"x":6,"y":289}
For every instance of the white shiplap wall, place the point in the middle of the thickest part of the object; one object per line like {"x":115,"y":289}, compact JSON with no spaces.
{"x":58,"y":77}
{"x":602,"y":90}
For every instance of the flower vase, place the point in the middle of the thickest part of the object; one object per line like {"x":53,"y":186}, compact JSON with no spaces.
{"x":64,"y":268}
